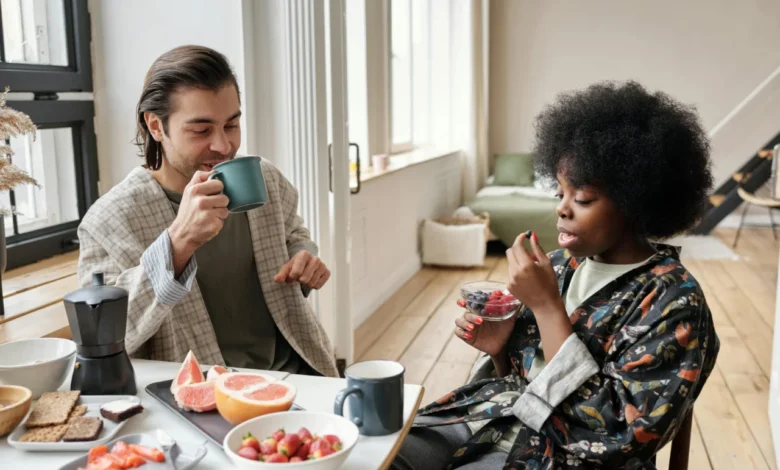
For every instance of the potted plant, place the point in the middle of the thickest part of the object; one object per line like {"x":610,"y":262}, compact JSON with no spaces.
{"x":13,"y":123}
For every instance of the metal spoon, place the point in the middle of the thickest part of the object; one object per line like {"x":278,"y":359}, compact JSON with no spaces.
{"x":167,"y":444}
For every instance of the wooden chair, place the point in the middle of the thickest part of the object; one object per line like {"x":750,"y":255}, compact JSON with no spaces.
{"x":681,"y":445}
{"x":751,"y":199}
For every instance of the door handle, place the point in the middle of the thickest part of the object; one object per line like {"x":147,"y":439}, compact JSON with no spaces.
{"x":357,"y":148}
{"x":330,"y":168}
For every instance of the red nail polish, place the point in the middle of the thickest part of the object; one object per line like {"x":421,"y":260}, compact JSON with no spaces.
{"x":536,"y":239}
{"x":467,"y":335}
{"x":478,"y":320}
{"x":470,"y":327}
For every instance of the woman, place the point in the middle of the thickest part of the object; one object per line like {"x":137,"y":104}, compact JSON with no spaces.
{"x":615,"y":339}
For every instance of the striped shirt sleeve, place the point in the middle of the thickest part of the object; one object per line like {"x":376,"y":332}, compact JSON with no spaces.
{"x":571,"y":367}
{"x":157,"y":261}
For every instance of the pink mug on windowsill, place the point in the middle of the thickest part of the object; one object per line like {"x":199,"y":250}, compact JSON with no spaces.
{"x":379,"y":163}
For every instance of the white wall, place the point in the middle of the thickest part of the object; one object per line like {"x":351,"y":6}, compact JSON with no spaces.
{"x":708,"y":53}
{"x":385,"y":224}
{"x":127,"y":36}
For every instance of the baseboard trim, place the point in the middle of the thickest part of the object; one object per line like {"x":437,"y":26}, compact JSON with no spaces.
{"x":752,"y":220}
{"x":364,"y":308}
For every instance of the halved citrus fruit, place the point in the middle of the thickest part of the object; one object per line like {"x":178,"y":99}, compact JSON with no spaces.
{"x":189,"y":373}
{"x":241,"y":396}
{"x":196,"y":397}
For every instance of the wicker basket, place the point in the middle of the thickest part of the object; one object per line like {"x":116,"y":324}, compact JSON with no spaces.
{"x":483,"y":218}
{"x":455,"y":241}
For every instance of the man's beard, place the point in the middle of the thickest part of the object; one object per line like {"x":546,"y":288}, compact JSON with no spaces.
{"x":187,"y":170}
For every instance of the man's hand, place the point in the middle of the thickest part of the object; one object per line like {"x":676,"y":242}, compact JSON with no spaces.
{"x":304,"y":268}
{"x":201,"y":216}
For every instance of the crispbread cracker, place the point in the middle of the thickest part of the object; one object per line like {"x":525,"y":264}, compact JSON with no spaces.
{"x":83,"y":429}
{"x":77,"y":412}
{"x":47,"y":434}
{"x":53,"y":408}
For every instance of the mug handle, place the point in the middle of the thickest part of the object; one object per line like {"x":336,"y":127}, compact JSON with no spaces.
{"x":338,"y":405}
{"x":217,"y":176}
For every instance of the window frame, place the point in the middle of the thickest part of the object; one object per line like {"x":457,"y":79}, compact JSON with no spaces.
{"x":49,"y":241}
{"x":38,"y":78}
{"x":400,"y":147}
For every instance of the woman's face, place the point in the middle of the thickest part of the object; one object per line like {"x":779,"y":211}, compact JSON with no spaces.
{"x":589,"y":223}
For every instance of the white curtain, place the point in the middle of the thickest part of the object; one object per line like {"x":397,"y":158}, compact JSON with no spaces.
{"x":470,"y":19}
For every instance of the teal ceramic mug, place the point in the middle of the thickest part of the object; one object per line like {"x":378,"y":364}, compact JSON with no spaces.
{"x":244,"y":183}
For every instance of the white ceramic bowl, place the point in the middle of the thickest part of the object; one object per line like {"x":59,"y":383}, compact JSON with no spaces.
{"x":42,"y":364}
{"x":292,"y":421}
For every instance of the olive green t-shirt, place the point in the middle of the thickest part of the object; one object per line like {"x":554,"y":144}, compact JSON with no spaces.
{"x":246,"y":333}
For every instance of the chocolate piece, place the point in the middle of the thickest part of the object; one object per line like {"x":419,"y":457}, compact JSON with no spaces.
{"x":119,"y":410}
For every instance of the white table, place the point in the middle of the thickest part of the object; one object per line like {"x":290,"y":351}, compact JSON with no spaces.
{"x":314,"y":394}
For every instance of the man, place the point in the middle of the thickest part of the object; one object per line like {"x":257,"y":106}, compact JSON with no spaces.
{"x":230,"y":287}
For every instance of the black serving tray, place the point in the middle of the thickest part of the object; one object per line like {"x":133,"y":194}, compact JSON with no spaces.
{"x":210,"y":423}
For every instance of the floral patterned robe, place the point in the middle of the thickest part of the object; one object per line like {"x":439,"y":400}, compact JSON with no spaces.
{"x":651,"y":334}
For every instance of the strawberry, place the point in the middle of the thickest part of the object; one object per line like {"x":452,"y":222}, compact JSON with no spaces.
{"x":278,"y":435}
{"x":304,"y":434}
{"x":268,"y":446}
{"x":248,"y":453}
{"x":250,"y":441}
{"x":276,"y":458}
{"x":304,"y":450}
{"x":289,"y":445}
{"x":492,"y":310}
{"x":496,"y":293}
{"x":334,"y":441}
{"x":322,"y":453}
{"x":295,"y":459}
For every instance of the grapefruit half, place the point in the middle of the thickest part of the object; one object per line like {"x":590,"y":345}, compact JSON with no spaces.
{"x":189,"y":373}
{"x":241,"y":396}
{"x":196,"y":397}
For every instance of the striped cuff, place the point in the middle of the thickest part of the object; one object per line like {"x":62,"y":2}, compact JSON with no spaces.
{"x":157,"y":261}
{"x":571,"y":367}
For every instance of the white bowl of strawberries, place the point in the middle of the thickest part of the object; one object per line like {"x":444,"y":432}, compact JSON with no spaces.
{"x":299,"y":439}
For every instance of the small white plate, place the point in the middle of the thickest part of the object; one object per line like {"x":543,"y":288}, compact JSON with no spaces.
{"x":93,"y":402}
{"x":185,"y":456}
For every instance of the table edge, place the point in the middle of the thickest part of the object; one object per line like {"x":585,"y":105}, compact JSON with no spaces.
{"x":404,"y":432}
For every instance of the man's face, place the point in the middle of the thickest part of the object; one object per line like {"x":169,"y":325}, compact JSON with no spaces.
{"x":203,"y":130}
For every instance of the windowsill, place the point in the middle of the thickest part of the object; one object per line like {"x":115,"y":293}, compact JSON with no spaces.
{"x":401,"y":161}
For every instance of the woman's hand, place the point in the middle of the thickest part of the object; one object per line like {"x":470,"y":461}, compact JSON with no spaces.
{"x":533,"y":282}
{"x":489,"y":337}
{"x":532,"y":279}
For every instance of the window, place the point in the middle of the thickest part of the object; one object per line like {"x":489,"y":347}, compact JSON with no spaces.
{"x":44,"y":49}
{"x":409,"y":73}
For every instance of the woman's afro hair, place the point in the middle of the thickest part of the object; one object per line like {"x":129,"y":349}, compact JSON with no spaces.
{"x":648,"y":152}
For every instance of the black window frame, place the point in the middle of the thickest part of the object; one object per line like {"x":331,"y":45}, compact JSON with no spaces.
{"x":38,"y":78}
{"x":26,"y":248}
{"x":47,"y":111}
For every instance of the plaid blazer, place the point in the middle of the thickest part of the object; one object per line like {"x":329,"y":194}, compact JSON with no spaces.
{"x":126,"y":221}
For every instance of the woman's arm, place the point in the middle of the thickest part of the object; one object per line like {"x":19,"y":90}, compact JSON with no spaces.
{"x":633,"y":405}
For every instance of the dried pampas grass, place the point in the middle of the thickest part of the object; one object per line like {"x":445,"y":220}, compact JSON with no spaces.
{"x":12,"y":124}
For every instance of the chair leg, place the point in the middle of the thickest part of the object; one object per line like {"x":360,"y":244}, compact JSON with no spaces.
{"x":772,"y":220}
{"x":741,"y":223}
{"x":681,"y":445}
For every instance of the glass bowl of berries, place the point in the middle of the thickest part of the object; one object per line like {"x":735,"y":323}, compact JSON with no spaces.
{"x":489,"y":299}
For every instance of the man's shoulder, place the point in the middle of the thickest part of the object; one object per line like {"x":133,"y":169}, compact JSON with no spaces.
{"x":136,"y":189}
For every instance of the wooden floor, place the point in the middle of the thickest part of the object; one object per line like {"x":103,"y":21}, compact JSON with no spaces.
{"x":731,"y":429}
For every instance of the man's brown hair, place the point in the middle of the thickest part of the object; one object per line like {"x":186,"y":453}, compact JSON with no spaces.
{"x":179,"y":68}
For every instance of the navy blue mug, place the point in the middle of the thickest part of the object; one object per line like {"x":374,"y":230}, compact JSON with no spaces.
{"x":375,"y":395}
